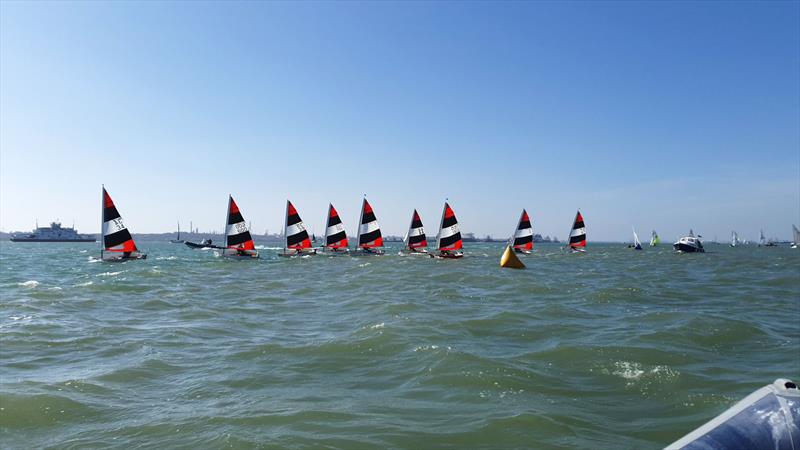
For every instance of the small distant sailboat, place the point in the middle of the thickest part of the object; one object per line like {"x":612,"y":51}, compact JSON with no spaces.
{"x":297,"y":240}
{"x":370,"y":240}
{"x":448,"y":241}
{"x":522,"y":241}
{"x":238,"y":242}
{"x":118,"y":243}
{"x":335,"y":236}
{"x":734,"y":239}
{"x":178,"y":239}
{"x":577,"y":235}
{"x":415,"y":239}
{"x":795,"y":237}
{"x":763,"y":242}
{"x":654,"y":239}
{"x":637,"y":245}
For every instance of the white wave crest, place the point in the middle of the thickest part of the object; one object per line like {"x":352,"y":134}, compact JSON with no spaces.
{"x":108,"y":274}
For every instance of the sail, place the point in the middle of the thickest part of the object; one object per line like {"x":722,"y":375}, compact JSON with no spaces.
{"x":179,"y":230}
{"x":636,"y":241}
{"x":369,"y":232}
{"x":116,"y":237}
{"x":335,"y":236}
{"x":734,"y":239}
{"x":449,"y":237}
{"x":237,"y":235}
{"x":294,"y":229}
{"x":523,"y":235}
{"x":577,"y":235}
{"x":761,"y":237}
{"x":416,"y":233}
{"x":654,"y":239}
{"x":795,"y":235}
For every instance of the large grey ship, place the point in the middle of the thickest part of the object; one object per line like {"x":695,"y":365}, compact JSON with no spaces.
{"x":54,"y":233}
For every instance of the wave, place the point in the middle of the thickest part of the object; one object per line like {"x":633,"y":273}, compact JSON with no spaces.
{"x":38,"y":410}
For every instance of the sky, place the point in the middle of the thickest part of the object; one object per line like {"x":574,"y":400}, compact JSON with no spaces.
{"x":654,"y":115}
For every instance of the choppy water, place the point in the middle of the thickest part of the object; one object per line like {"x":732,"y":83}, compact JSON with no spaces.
{"x":612,"y":349}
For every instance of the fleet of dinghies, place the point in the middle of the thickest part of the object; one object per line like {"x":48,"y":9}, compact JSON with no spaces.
{"x":118,"y":244}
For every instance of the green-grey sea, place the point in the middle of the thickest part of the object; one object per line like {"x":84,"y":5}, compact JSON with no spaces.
{"x":612,"y":349}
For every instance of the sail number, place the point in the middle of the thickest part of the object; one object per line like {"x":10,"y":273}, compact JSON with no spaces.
{"x":241,"y":227}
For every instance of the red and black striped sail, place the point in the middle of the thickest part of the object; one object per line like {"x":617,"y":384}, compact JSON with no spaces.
{"x":369,"y":232}
{"x":116,"y":237}
{"x":523,"y":235}
{"x":416,"y":233}
{"x":577,"y":236}
{"x":335,"y":236}
{"x":237,"y":235}
{"x":449,"y":233}
{"x":295,"y":231}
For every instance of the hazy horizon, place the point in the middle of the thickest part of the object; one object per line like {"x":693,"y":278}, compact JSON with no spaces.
{"x":665,"y":116}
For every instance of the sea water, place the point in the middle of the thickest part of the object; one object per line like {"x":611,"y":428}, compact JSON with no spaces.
{"x":614,"y":348}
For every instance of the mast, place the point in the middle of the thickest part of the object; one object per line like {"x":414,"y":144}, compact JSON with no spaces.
{"x":514,"y":233}
{"x":408,"y":232}
{"x":285,"y":226}
{"x":569,"y":235}
{"x":441,"y":223}
{"x":225,"y":227}
{"x":102,"y":216}
{"x":360,"y":219}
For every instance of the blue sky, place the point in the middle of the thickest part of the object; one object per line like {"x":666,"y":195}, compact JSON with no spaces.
{"x":653,"y":115}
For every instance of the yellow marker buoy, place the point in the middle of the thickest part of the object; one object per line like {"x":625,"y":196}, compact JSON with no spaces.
{"x":510,"y":260}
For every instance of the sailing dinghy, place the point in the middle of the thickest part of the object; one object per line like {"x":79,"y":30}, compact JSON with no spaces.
{"x":522,"y":242}
{"x":637,"y":245}
{"x":238,"y":242}
{"x":370,"y":240}
{"x":734,"y":239}
{"x":577,"y":235}
{"x":654,"y":239}
{"x":448,"y":241}
{"x":178,"y":239}
{"x":415,"y":240}
{"x":335,"y":236}
{"x":297,"y":240}
{"x":118,"y":243}
{"x":795,"y":237}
